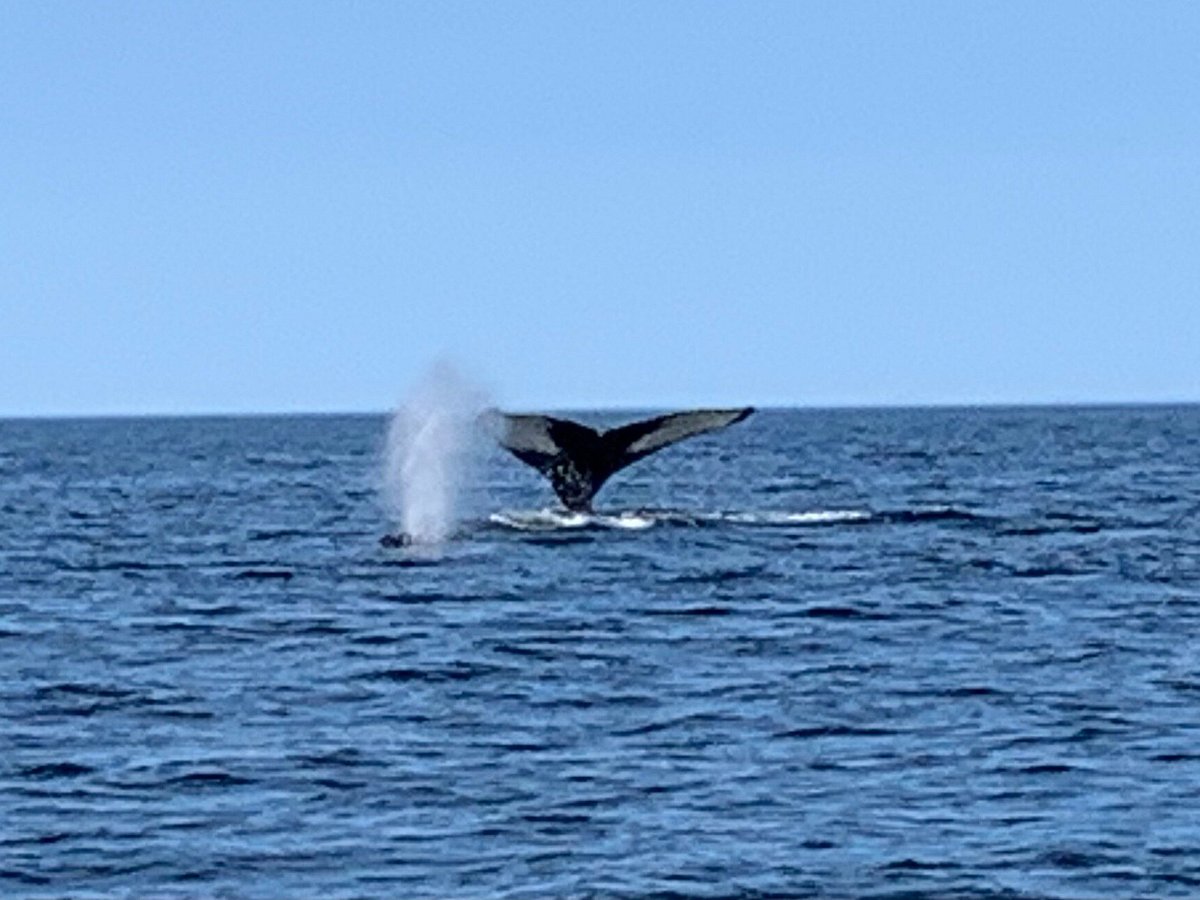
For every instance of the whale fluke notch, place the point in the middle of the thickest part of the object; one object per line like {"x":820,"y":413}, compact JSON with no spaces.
{"x":578,"y":459}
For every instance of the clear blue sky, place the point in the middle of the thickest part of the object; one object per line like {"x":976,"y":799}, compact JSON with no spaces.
{"x":298,"y":206}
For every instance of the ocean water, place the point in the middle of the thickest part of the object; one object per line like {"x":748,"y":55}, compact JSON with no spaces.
{"x":889,"y":653}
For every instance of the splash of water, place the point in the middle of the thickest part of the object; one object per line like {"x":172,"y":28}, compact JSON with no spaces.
{"x":432,"y":444}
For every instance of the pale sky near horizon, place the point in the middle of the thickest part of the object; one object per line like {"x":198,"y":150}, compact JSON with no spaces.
{"x":270,"y":206}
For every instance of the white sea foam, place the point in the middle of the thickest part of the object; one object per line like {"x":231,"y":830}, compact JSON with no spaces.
{"x":431,"y":448}
{"x":554,"y":519}
{"x":631,"y":521}
{"x":542,"y":519}
{"x":811,"y":517}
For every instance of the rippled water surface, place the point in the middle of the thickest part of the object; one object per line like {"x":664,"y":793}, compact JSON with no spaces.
{"x":891,"y":653}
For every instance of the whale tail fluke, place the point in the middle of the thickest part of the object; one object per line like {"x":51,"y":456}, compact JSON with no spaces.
{"x":578,"y":459}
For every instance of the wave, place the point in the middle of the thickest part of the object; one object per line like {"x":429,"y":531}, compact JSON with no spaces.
{"x":639,"y":520}
{"x":557,"y":520}
{"x":929,"y":514}
{"x":559,"y":523}
{"x":809,"y":517}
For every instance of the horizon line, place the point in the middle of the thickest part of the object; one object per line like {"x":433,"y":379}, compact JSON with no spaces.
{"x":569,"y":409}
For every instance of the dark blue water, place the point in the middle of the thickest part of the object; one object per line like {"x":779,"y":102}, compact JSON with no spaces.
{"x":970,"y":668}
